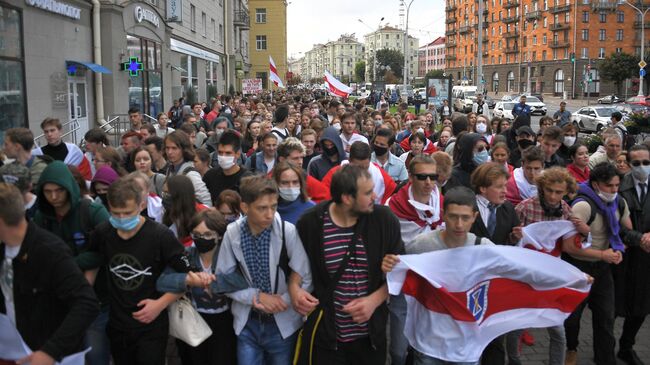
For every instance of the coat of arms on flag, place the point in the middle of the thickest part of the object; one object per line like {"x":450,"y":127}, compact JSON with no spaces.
{"x":477,"y":300}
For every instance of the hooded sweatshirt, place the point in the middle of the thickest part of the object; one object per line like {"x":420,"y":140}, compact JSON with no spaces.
{"x":68,"y":227}
{"x":460,"y":175}
{"x":320,"y":165}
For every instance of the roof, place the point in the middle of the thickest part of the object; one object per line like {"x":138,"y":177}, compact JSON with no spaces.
{"x":436,"y":42}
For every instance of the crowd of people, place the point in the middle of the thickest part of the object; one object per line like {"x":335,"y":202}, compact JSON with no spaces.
{"x":279,"y":215}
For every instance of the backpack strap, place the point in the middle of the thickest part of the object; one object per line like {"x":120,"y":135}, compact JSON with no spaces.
{"x":477,"y":241}
{"x":254,"y":162}
{"x":283,"y":262}
{"x":188,"y":169}
{"x":594,"y":208}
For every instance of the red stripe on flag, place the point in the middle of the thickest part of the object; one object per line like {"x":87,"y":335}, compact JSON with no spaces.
{"x":503,"y":295}
{"x":273,"y":69}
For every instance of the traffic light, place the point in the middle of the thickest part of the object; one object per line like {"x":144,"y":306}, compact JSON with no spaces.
{"x":573,"y":57}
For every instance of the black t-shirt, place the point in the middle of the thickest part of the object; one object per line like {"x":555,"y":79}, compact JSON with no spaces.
{"x":58,"y":152}
{"x":216,"y":181}
{"x":134,"y":266}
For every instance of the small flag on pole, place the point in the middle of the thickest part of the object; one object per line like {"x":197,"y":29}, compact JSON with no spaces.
{"x":336,"y":87}
{"x":274,"y":73}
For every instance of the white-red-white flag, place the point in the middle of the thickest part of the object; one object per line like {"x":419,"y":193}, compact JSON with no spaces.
{"x":460,"y":299}
{"x":336,"y":87}
{"x":273,"y":73}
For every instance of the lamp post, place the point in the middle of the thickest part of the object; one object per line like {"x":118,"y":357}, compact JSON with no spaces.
{"x":405,"y":72}
{"x":642,"y":13}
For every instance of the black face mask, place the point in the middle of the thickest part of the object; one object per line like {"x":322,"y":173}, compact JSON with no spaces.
{"x":525,"y":143}
{"x":203,"y":245}
{"x":103,"y":198}
{"x":380,"y":151}
{"x":331,"y":151}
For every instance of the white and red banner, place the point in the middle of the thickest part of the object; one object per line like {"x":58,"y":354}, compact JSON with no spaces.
{"x":336,"y":87}
{"x":273,"y":73}
{"x":461,"y":299}
{"x":251,"y":86}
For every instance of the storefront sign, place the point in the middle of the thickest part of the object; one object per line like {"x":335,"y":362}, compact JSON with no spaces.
{"x":133,"y":66}
{"x":56,"y":7}
{"x":188,"y":49}
{"x":175,"y":11}
{"x":59,"y":89}
{"x":146,"y":15}
{"x":251,"y":86}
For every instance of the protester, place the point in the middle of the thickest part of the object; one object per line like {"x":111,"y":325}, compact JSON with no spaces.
{"x":333,"y":154}
{"x":521,"y":184}
{"x":579,"y":168}
{"x":292,"y":191}
{"x":179,"y":153}
{"x":381,"y":155}
{"x":18,"y":144}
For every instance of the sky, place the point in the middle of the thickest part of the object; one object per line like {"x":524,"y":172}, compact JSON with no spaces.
{"x":320,"y":21}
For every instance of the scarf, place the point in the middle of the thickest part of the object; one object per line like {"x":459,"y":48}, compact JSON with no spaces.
{"x":526,"y":189}
{"x":580,"y":175}
{"x":608,"y":211}
{"x":404,"y":207}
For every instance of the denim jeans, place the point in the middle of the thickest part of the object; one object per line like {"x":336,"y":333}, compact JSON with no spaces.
{"x":556,"y":348}
{"x":97,"y":339}
{"x":422,"y":359}
{"x":398,"y":343}
{"x":260,"y":342}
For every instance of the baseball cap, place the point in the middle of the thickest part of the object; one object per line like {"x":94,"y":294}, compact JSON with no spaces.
{"x":525,"y":130}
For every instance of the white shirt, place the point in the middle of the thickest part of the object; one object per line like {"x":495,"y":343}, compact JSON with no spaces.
{"x":638,"y":188}
{"x":355,"y":137}
{"x":483,"y":208}
{"x":8,"y":290}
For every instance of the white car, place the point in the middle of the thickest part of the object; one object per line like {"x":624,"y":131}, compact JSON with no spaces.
{"x":503,"y":109}
{"x":593,"y":118}
{"x":536,"y":105}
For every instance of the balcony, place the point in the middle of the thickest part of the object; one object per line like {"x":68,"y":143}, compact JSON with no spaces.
{"x":511,"y":4}
{"x":451,"y":8}
{"x":485,"y":39}
{"x":451,"y":20}
{"x":531,"y":15}
{"x":450,"y":57}
{"x":486,"y":53}
{"x":510,"y":19}
{"x":464,"y":29}
{"x":241,"y":19}
{"x":512,"y":34}
{"x":560,"y":9}
{"x":559,"y":44}
{"x":637,"y":25}
{"x":560,"y":26}
{"x":451,"y":44}
{"x":450,"y":32}
{"x":603,"y":6}
{"x":514,"y":49}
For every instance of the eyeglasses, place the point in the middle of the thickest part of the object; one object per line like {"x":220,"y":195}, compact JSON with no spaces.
{"x":637,"y":163}
{"x":423,"y":177}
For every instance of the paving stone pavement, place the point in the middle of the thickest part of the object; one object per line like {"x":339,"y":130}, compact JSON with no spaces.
{"x":538,"y":353}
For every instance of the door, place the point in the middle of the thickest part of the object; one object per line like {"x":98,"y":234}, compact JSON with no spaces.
{"x":78,"y":108}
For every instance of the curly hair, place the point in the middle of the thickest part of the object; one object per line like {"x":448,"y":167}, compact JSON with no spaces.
{"x":556,"y":175}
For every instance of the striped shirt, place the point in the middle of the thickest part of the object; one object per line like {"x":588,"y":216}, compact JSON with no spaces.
{"x":354,"y":280}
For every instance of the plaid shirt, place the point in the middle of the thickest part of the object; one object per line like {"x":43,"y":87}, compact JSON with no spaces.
{"x":530,"y":211}
{"x":256,"y":255}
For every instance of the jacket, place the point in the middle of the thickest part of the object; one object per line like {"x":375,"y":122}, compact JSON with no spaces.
{"x":200,"y":190}
{"x":320,"y":165}
{"x":380,"y":232}
{"x":54,"y":304}
{"x":69,"y":229}
{"x":506,"y":220}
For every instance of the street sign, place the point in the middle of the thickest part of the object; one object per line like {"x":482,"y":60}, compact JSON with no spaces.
{"x":642,"y":64}
{"x":642,"y":72}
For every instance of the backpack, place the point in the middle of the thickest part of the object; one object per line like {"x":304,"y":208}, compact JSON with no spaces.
{"x":627,"y":140}
{"x":594,"y":208}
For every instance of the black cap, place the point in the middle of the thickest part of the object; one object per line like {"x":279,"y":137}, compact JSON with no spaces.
{"x":525,"y":130}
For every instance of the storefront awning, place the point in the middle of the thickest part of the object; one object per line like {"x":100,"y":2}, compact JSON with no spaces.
{"x":92,"y":66}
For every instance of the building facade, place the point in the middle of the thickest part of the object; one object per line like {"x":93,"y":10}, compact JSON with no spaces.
{"x":268,"y":37}
{"x":431,"y":56}
{"x":338,"y":57}
{"x":388,"y":37}
{"x":528,"y":45}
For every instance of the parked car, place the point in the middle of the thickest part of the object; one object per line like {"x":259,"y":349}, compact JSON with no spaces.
{"x":641,"y":100}
{"x":490,"y":102}
{"x":536,"y":95}
{"x":610,"y":99}
{"x":513,"y":97}
{"x":627,"y":109}
{"x":503,"y":109}
{"x":536,"y":105}
{"x":593,"y":118}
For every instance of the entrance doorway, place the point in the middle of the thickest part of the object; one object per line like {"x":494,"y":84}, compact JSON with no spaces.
{"x":78,"y":107}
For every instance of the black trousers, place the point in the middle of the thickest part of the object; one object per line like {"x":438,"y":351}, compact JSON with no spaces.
{"x":495,"y":352}
{"x":631,"y":327}
{"x":138,"y":347}
{"x":601,"y":303}
{"x":359,"y":352}
{"x":218,"y":349}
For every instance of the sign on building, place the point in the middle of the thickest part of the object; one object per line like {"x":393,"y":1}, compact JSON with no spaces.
{"x":174,"y":11}
{"x":251,"y":86}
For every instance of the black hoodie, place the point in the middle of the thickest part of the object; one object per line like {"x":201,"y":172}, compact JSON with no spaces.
{"x":319,"y":166}
{"x":460,"y":175}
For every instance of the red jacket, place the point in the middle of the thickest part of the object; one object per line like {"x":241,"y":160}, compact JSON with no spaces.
{"x":389,"y":184}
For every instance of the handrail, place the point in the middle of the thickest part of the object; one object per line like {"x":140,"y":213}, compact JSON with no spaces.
{"x":43,"y":134}
{"x":153,"y":120}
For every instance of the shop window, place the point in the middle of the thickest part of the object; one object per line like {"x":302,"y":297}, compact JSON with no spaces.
{"x":12,"y":90}
{"x":145,"y":90}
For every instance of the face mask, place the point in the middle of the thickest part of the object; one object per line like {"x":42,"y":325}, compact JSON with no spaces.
{"x":481,"y":128}
{"x":525,"y":143}
{"x":103,"y":198}
{"x":420,"y":130}
{"x":125,"y":224}
{"x":380,"y":151}
{"x":607,"y":197}
{"x":167,"y":202}
{"x":331,"y":151}
{"x":219,"y":132}
{"x":569,"y":141}
{"x":289,"y":194}
{"x":226,"y":162}
{"x":204,"y":245}
{"x":337,"y":126}
{"x":641,"y":172}
{"x":481,"y":157}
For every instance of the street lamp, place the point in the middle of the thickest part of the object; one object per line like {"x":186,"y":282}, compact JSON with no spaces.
{"x":406,"y":53}
{"x":642,"y":13}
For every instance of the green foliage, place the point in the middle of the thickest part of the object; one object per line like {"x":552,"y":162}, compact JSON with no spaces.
{"x":392,"y":58}
{"x":617,"y":68}
{"x":435,"y":73}
{"x":212,"y":91}
{"x":360,"y":71}
{"x":191,"y":96}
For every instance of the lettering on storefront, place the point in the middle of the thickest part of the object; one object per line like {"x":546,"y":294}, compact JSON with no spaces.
{"x":56,"y":7}
{"x":146,"y":15}
{"x":59,"y":89}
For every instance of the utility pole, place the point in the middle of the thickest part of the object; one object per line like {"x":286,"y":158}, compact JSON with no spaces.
{"x":405,"y":72}
{"x":479,"y":49}
{"x":642,"y":64}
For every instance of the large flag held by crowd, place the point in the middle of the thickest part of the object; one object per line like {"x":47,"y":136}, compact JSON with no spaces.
{"x":460,"y":299}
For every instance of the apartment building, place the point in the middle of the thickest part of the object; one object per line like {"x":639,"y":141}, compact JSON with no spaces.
{"x":388,"y":37}
{"x":337,"y":57}
{"x":527,"y":45}
{"x":431,"y":56}
{"x":268,"y":37}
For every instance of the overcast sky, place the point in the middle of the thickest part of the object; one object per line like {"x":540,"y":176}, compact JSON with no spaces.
{"x":319,"y":21}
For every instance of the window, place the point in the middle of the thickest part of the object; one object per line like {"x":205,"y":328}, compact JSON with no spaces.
{"x":620,"y":16}
{"x":543,"y":55}
{"x":146,"y":90}
{"x":204,"y":23}
{"x":619,"y":50}
{"x":534,"y":41}
{"x":601,"y":34}
{"x":12,"y":71}
{"x":264,"y":77}
{"x":585,"y":34}
{"x":601,"y":52}
{"x":585,"y":53}
{"x":260,"y":15}
{"x":559,"y":82}
{"x":192,"y":18}
{"x":545,"y":22}
{"x":260,"y":42}
{"x":544,"y":39}
{"x":619,"y":34}
{"x":210,"y":74}
{"x":221,"y":34}
{"x":585,"y":17}
{"x":214,"y":29}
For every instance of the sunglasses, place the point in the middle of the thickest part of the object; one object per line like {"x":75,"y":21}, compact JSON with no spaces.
{"x":637,"y":163}
{"x":422,"y":177}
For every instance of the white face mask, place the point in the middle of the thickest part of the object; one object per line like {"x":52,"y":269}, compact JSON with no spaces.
{"x":569,"y":141}
{"x":289,"y":194}
{"x":337,"y":126}
{"x":226,"y":162}
{"x":481,"y":128}
{"x":607,"y":197}
{"x":420,"y":130}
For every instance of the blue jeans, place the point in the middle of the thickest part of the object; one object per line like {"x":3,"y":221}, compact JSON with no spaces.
{"x":97,"y":339}
{"x":260,"y":342}
{"x":422,"y":359}
{"x":398,"y":342}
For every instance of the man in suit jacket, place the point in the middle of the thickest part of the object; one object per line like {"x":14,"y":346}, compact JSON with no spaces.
{"x":497,"y":221}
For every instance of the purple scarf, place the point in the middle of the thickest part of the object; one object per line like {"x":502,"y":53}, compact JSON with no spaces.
{"x":608,"y":211}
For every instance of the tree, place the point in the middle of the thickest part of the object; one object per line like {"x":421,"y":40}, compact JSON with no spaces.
{"x":392,"y":58}
{"x":360,"y":71}
{"x":617,"y":68}
{"x":390,"y":78}
{"x":435,"y":73}
{"x":294,"y":80}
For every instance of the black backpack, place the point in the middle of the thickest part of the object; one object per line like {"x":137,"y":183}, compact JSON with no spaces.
{"x":594,"y":208}
{"x":627,"y":140}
